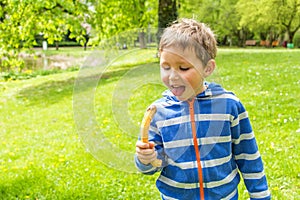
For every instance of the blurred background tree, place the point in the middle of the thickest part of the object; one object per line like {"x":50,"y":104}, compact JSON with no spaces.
{"x":25,"y":23}
{"x":22,"y":21}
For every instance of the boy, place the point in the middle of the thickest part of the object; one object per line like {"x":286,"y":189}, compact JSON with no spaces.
{"x":200,"y":131}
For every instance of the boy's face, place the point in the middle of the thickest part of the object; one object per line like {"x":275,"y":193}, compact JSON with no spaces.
{"x":182,"y":72}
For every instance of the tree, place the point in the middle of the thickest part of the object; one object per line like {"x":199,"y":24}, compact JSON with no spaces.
{"x":271,"y":16}
{"x":111,"y":18}
{"x":288,"y":15}
{"x":189,"y":8}
{"x":167,"y":13}
{"x":21,"y":21}
{"x":214,"y":13}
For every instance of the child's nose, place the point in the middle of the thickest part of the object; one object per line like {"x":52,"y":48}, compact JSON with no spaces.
{"x":174,"y":75}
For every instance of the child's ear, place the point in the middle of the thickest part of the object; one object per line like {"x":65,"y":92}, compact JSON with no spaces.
{"x":210,"y":67}
{"x":159,"y":52}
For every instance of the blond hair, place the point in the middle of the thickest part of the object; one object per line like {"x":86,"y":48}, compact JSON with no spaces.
{"x":188,"y":33}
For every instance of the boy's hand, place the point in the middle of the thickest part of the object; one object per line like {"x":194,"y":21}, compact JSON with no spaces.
{"x":145,"y":152}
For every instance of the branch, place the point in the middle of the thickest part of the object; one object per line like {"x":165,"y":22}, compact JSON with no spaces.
{"x":2,"y":4}
{"x":64,"y":9}
{"x":58,"y":5}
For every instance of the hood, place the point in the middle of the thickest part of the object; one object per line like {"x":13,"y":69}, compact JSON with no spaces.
{"x":212,"y":89}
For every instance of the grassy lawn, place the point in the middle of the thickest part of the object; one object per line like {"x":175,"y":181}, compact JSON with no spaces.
{"x":45,"y":154}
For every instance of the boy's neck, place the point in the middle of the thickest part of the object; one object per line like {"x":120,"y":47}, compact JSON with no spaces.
{"x":204,"y":87}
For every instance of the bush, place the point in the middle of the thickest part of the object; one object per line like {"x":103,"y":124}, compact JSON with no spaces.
{"x":296,"y":39}
{"x":28,"y":74}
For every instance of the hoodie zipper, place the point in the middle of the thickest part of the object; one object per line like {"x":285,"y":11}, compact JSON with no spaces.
{"x":196,"y":147}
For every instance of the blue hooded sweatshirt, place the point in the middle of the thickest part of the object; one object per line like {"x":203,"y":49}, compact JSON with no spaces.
{"x":205,"y":144}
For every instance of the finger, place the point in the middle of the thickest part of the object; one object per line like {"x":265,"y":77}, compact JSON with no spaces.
{"x":145,"y":162}
{"x":144,"y":151}
{"x":146,"y":159}
{"x":142,"y":145}
{"x":149,"y":157}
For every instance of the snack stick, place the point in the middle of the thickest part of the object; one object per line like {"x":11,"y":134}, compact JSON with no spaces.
{"x":145,"y":129}
{"x":146,"y":123}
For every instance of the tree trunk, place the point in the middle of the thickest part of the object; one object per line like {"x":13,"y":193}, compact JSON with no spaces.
{"x":291,"y":36}
{"x":142,"y":40}
{"x":167,"y":13}
{"x":56,"y":45}
{"x":87,"y":37}
{"x":241,"y":37}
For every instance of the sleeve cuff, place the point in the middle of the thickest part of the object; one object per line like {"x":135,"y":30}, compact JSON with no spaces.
{"x":142,"y":167}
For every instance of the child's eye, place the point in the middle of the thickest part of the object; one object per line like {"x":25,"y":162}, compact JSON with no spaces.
{"x":184,"y":68}
{"x":165,"y":67}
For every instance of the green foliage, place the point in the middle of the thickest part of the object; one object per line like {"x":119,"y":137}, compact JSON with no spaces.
{"x":189,"y":8}
{"x":238,"y":20}
{"x":28,"y":74}
{"x":296,"y":40}
{"x":39,"y":143}
{"x":21,"y":21}
{"x":113,"y":17}
{"x":270,"y":16}
{"x":214,"y":13}
{"x":9,"y":61}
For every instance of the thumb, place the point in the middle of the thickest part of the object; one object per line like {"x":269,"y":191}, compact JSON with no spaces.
{"x":151,"y":145}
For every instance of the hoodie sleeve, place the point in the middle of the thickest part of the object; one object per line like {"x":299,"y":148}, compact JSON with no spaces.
{"x":247,"y":156}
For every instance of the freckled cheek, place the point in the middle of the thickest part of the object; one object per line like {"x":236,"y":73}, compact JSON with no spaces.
{"x":192,"y":80}
{"x":164,"y":77}
{"x":195,"y":81}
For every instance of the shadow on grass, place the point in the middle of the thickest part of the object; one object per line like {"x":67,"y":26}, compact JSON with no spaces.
{"x":52,"y":91}
{"x":47,"y":93}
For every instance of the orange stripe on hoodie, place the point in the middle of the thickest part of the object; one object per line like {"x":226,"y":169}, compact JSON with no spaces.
{"x":196,"y":146}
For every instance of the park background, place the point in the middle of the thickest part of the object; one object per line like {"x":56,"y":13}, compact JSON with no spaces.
{"x":42,"y":154}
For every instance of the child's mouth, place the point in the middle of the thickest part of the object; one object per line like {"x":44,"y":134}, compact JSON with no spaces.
{"x":177,"y":90}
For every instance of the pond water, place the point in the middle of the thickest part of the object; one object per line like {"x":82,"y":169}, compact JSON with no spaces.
{"x":51,"y":62}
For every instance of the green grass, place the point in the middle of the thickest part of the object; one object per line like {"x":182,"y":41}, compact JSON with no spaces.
{"x":43,"y":157}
